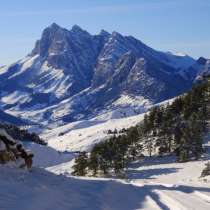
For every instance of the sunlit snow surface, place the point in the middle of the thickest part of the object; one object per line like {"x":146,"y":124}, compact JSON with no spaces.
{"x":82,"y":135}
{"x":157,"y":183}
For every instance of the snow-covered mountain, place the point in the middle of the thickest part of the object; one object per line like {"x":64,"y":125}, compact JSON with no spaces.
{"x":72,"y":75}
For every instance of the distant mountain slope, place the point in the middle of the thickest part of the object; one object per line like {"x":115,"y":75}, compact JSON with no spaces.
{"x":72,"y":75}
{"x":7,"y":118}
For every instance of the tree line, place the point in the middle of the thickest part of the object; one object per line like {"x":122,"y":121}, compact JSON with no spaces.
{"x":177,"y":127}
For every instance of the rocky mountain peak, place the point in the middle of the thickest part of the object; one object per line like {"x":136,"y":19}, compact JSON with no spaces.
{"x":201,"y":61}
{"x":79,"y":33}
{"x":75,"y":28}
{"x":54,"y":26}
{"x":104,"y":33}
{"x":116,"y":36}
{"x":52,"y":34}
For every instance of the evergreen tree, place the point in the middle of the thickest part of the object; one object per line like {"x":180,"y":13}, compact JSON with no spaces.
{"x":93,"y":163}
{"x":81,"y":164}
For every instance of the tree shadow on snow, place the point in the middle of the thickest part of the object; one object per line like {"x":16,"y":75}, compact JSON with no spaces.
{"x":41,"y":190}
{"x":156,"y":160}
{"x":150,"y":173}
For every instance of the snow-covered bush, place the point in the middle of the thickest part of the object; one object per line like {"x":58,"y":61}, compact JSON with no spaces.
{"x":206,"y":170}
{"x":12,"y":153}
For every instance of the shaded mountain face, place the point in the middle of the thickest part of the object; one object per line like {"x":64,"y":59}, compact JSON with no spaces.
{"x":71,"y":74}
{"x":75,"y":52}
{"x":205,"y":70}
{"x":10,"y":119}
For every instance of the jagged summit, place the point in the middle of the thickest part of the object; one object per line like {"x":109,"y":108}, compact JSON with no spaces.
{"x":49,"y":37}
{"x":104,"y":33}
{"x":54,"y":26}
{"x":115,"y":34}
{"x":76,"y":28}
{"x":202,"y":60}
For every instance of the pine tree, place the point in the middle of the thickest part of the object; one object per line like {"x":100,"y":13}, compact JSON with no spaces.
{"x":81,"y":164}
{"x":196,"y":138}
{"x":93,"y":163}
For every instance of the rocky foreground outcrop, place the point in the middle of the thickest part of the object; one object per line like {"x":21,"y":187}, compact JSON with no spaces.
{"x":12,"y":152}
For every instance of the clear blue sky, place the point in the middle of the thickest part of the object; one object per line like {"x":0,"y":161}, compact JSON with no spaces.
{"x":169,"y":25}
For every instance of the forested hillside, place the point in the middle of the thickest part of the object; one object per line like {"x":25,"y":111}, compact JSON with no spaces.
{"x":175,"y":128}
{"x":21,"y":134}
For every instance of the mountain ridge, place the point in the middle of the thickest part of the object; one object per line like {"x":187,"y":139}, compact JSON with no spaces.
{"x":72,"y":75}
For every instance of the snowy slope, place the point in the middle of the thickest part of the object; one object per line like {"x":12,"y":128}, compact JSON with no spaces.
{"x":158,"y":184}
{"x":180,"y":60}
{"x":45,"y":156}
{"x":82,"y":135}
{"x":43,"y":190}
{"x":161,"y":183}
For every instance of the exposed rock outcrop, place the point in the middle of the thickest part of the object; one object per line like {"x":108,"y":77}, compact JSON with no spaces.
{"x":12,"y":152}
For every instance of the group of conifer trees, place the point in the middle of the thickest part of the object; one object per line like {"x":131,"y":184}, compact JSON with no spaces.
{"x":111,"y":155}
{"x":177,"y":127}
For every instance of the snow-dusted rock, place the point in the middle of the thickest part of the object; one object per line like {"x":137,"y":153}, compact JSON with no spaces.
{"x":12,"y":153}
